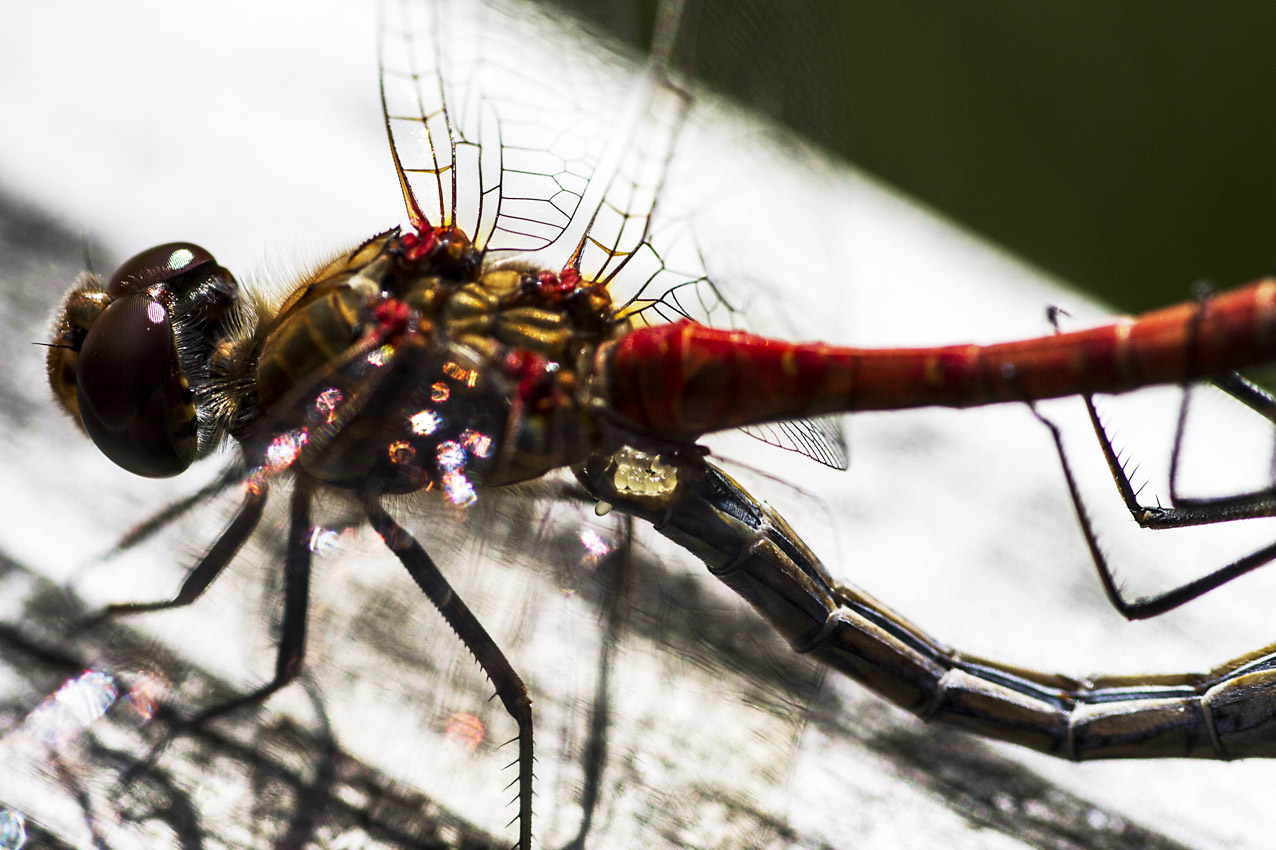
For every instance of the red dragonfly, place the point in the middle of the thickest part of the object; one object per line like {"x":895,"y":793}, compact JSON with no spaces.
{"x":465,"y":355}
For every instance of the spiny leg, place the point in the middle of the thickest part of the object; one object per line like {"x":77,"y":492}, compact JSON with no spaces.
{"x":1142,"y":607}
{"x":509,"y":686}
{"x":1184,"y":512}
{"x":209,"y":567}
{"x":1181,"y":513}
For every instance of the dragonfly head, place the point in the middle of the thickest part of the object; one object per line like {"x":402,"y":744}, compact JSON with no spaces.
{"x":129,"y":357}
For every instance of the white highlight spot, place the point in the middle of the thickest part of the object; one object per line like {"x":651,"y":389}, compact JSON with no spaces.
{"x":180,"y":259}
{"x":425,"y":422}
{"x":71,"y":709}
{"x":285,"y":449}
{"x":13,"y":830}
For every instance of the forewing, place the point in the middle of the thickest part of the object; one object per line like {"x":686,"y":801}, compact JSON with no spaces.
{"x":488,"y":135}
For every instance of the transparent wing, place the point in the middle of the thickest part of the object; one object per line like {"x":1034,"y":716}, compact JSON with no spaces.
{"x":553,"y":168}
{"x":822,"y":440}
{"x":487,"y":134}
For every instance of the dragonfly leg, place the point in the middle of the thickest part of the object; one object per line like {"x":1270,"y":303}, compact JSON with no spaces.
{"x":509,"y":686}
{"x":209,"y":566}
{"x":292,"y":632}
{"x":1256,"y":399}
{"x":1228,"y":712}
{"x":1185,"y":511}
{"x":233,"y":474}
{"x":1182,"y":512}
{"x":1247,"y":393}
{"x":1156,"y":604}
{"x":292,"y":641}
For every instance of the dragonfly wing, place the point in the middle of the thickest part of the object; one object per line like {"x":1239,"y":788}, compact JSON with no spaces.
{"x":488,"y":134}
{"x":822,"y":439}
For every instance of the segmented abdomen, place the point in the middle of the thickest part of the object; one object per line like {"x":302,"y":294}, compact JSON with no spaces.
{"x":687,"y":379}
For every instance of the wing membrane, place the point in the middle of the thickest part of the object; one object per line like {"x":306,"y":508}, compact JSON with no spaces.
{"x":487,"y":137}
{"x":559,"y":170}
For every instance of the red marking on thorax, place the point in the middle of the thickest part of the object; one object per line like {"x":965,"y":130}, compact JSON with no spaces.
{"x":391,"y":317}
{"x":569,"y":277}
{"x":417,"y":246}
{"x":559,"y":286}
{"x":535,"y":377}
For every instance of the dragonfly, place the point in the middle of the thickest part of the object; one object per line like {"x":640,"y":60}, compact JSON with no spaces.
{"x":648,"y":409}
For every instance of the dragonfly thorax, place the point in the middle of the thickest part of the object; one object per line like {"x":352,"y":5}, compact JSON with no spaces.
{"x":416,"y":368}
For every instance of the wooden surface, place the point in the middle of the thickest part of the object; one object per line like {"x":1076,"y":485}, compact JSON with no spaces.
{"x":267,"y":148}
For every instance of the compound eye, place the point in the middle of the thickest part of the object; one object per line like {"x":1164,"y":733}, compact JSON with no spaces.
{"x":156,"y":265}
{"x":131,"y":396}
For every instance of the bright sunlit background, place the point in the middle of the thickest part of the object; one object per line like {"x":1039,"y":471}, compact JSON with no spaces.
{"x":139,"y":122}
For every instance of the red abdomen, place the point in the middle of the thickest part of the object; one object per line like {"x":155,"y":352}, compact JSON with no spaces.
{"x":688,"y":379}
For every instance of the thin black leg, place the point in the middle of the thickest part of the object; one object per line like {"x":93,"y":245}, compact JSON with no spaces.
{"x":1144,"y":607}
{"x":1181,"y":513}
{"x":209,"y":566}
{"x":1186,"y":511}
{"x":144,"y":530}
{"x":509,"y":686}
{"x":292,"y":640}
{"x":1260,"y":401}
{"x":296,"y":593}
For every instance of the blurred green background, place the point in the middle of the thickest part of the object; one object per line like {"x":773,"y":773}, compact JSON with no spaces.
{"x":1125,"y":147}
